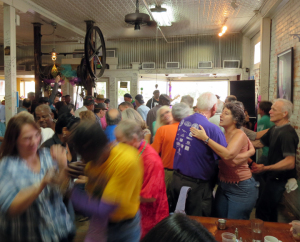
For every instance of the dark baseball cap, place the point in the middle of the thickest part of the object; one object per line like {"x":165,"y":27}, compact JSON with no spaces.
{"x":100,"y":106}
{"x":139,"y":98}
{"x":107,"y":101}
{"x":128,"y":95}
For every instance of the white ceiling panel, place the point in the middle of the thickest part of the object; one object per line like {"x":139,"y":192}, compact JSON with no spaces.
{"x":190,"y":17}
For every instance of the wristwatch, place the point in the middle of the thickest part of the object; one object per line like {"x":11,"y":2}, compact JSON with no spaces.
{"x":206,"y":141}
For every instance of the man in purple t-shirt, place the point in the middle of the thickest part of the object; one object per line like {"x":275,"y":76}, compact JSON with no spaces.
{"x":195,"y":164}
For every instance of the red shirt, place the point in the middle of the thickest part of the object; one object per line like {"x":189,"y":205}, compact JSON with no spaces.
{"x":153,"y":187}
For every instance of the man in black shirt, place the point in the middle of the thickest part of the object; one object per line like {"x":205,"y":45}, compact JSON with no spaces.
{"x":154,"y":100}
{"x":282,"y":141}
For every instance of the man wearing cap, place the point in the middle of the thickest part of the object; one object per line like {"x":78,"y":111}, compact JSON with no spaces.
{"x":154,"y":100}
{"x":128,"y":98}
{"x":100,"y":98}
{"x":100,"y":110}
{"x":164,"y":99}
{"x":141,"y":108}
{"x":88,"y":104}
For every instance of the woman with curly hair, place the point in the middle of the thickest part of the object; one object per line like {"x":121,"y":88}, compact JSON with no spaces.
{"x":237,"y":191}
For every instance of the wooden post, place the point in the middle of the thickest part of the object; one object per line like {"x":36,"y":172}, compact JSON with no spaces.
{"x":10,"y":58}
{"x":37,"y":59}
{"x":90,"y":24}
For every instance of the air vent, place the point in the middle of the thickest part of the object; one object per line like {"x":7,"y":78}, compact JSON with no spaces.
{"x":205,"y":65}
{"x":21,"y":67}
{"x":148,"y":65}
{"x":111,"y":53}
{"x":231,"y":64}
{"x":172,"y":65}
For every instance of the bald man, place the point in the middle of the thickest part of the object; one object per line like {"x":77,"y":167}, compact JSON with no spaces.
{"x":44,"y":116}
{"x":113,"y":117}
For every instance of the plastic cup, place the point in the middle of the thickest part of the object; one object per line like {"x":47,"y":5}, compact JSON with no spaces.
{"x":228,"y":237}
{"x":257,"y":226}
{"x":296,"y":229}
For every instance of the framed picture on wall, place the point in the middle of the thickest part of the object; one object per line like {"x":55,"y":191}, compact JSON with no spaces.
{"x":285,"y":69}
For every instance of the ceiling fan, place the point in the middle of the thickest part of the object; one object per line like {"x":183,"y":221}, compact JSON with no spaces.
{"x":139,"y":19}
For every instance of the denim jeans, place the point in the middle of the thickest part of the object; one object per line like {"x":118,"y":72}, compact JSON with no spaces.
{"x":266,"y":208}
{"x":126,"y":231}
{"x":236,"y":200}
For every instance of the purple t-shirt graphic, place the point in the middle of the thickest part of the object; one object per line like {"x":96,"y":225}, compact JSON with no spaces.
{"x":193,"y":157}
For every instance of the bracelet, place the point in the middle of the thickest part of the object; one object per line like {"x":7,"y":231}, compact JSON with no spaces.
{"x":206,"y":141}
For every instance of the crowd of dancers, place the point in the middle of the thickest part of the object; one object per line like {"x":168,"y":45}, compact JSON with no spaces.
{"x":128,"y":169}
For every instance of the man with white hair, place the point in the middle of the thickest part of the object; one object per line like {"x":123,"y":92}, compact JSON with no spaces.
{"x":195,"y":164}
{"x":216,"y":118}
{"x":282,"y":141}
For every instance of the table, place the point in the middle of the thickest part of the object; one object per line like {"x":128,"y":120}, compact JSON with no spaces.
{"x":279,"y":230}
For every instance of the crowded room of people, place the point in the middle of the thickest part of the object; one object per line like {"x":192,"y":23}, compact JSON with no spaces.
{"x":150,"y":121}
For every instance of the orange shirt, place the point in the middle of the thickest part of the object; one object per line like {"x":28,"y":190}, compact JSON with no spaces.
{"x":164,"y":143}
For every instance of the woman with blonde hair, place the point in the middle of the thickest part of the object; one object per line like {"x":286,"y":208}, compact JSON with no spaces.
{"x":131,"y":114}
{"x":87,"y":115}
{"x":163,"y":117}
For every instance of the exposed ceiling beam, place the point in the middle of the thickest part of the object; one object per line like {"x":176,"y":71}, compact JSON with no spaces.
{"x":27,"y":5}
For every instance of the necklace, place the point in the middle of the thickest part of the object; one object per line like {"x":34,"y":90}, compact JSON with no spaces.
{"x":143,"y":147}
{"x":202,"y":114}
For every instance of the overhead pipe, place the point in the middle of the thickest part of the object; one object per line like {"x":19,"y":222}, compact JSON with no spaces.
{"x":150,"y":13}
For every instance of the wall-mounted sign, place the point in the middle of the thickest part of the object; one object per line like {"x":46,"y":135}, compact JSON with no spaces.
{"x":123,"y":84}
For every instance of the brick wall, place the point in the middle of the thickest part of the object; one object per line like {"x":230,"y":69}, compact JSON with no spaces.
{"x":285,"y":22}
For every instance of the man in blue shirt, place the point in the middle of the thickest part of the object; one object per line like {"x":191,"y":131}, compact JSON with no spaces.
{"x":113,"y":117}
{"x":195,"y":164}
{"x":141,"y":108}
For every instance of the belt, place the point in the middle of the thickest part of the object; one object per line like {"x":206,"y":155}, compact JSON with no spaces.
{"x":168,"y":169}
{"x":197,"y":180}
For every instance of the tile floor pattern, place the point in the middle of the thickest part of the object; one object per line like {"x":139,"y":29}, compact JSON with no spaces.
{"x":284,"y":216}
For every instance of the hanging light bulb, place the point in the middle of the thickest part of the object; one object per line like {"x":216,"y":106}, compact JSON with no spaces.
{"x":53,"y":55}
{"x":224,"y":29}
{"x":220,"y":34}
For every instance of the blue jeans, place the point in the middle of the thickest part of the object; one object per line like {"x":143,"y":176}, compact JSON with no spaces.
{"x":125,"y":231}
{"x":236,"y":200}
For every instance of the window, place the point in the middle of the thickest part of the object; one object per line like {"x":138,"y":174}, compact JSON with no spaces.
{"x":149,"y":88}
{"x":123,"y":90}
{"x":29,"y":87}
{"x":196,"y":88}
{"x":101,"y":88}
{"x":257,"y":53}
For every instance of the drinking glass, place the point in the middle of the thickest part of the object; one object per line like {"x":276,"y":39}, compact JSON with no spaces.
{"x":257,"y":226}
{"x":228,"y":237}
{"x":296,"y":229}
